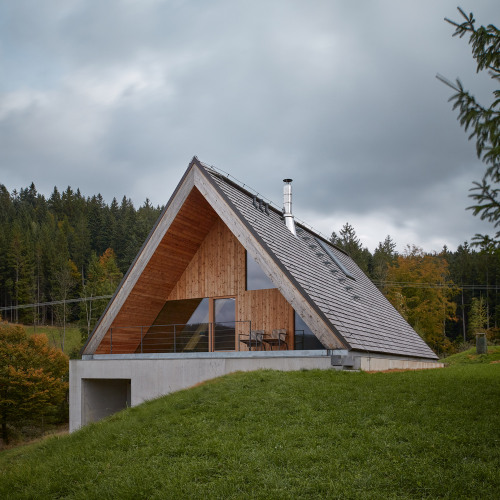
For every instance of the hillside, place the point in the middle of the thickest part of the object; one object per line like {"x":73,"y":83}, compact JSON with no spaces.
{"x":271,"y":434}
{"x":470,"y":356}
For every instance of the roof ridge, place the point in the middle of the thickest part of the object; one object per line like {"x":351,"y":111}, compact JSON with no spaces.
{"x":226,"y":176}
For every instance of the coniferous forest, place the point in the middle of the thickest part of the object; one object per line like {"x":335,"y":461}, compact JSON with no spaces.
{"x":67,"y":248}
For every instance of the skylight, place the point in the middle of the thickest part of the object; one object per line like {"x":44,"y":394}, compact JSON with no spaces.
{"x":332,"y":256}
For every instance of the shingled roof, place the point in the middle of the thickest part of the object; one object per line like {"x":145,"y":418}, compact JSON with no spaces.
{"x":358,"y":312}
{"x":321,"y":282}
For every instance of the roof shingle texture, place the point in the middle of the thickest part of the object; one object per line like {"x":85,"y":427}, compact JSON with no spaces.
{"x":354,"y":307}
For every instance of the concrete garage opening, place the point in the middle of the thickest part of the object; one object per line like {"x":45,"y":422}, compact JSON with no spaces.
{"x":103,"y":397}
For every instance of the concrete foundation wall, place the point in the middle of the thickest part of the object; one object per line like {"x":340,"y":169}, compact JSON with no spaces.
{"x":377,"y":364}
{"x":154,"y":376}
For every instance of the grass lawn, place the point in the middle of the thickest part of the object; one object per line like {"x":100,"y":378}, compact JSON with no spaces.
{"x":267,"y":434}
{"x":471,"y":357}
{"x":55,"y":336}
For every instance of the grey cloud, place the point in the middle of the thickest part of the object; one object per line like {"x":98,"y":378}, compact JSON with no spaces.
{"x":341,"y":97}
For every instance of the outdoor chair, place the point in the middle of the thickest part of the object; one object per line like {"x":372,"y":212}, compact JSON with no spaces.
{"x":254,"y":339}
{"x":277,"y":338}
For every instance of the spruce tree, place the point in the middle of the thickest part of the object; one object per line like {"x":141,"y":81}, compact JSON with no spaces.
{"x":483,"y":121}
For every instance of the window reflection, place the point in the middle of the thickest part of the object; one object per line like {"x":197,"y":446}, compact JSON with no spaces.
{"x":224,"y":324}
{"x":304,"y":338}
{"x":181,"y":326}
{"x":256,"y":278}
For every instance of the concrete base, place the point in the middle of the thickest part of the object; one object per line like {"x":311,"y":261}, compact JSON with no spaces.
{"x":103,"y":384}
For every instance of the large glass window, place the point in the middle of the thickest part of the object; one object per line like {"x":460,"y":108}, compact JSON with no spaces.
{"x":304,"y":338}
{"x":224,"y":324}
{"x":181,"y":326}
{"x":256,"y":278}
{"x":184,"y":326}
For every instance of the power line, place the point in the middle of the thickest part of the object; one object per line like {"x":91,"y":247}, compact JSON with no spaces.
{"x":380,"y":284}
{"x":409,"y":284}
{"x":54,"y":302}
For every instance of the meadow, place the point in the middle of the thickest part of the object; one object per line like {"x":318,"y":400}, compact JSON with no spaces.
{"x":56,"y":335}
{"x":268,"y":434}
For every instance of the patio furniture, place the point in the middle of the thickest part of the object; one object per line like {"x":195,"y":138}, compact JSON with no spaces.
{"x":254,"y":340}
{"x":277,"y":338}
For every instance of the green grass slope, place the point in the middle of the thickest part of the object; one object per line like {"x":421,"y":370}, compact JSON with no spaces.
{"x":266,"y":434}
{"x":471,"y":357}
{"x":55,"y":334}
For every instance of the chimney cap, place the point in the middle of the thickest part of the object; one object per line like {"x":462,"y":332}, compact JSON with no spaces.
{"x":287,"y":180}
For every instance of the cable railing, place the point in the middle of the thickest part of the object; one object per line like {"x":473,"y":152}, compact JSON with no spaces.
{"x":197,"y":338}
{"x":176,"y":338}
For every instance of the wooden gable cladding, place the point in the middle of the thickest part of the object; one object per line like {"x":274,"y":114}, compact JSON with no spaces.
{"x":196,"y":250}
{"x":186,"y":233}
{"x":268,"y":310}
{"x":217,"y":269}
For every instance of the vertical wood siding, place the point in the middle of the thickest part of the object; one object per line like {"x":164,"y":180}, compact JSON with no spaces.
{"x":186,"y":266}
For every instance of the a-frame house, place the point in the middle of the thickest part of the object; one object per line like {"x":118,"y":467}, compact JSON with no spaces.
{"x":226,"y":282}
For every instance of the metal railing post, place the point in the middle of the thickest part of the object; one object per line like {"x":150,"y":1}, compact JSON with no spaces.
{"x":175,"y":346}
{"x":141,"y":339}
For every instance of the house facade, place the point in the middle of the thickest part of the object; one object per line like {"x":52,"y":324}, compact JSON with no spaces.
{"x":225,"y":282}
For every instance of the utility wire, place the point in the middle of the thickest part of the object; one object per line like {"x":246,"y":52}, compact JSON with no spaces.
{"x":380,"y":284}
{"x":409,"y":284}
{"x":54,"y":302}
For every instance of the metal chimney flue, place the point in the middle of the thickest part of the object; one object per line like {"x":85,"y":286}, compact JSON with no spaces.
{"x":287,"y":206}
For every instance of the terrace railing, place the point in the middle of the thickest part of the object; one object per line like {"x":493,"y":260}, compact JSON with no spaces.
{"x":176,"y":338}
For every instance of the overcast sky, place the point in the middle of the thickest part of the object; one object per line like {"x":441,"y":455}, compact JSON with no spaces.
{"x":117,"y":96}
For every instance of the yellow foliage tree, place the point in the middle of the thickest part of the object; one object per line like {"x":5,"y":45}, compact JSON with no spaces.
{"x":33,"y":376}
{"x":420,"y":288}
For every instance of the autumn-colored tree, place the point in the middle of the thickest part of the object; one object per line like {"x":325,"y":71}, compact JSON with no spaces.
{"x":478,"y":317}
{"x":33,"y":377}
{"x":420,"y":288}
{"x":103,"y":277}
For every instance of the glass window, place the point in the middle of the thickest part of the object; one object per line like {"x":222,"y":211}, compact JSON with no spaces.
{"x":305,"y":340}
{"x":256,"y":278}
{"x":181,"y":326}
{"x":224,"y":324}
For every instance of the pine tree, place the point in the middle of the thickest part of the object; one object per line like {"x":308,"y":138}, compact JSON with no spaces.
{"x":482,"y":121}
{"x":348,"y":241}
{"x":383,"y":257}
{"x":19,"y":257}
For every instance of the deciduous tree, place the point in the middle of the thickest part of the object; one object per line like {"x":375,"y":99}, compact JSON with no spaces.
{"x":422,"y":292}
{"x":478,"y":317}
{"x":33,"y":376}
{"x":103,"y":277}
